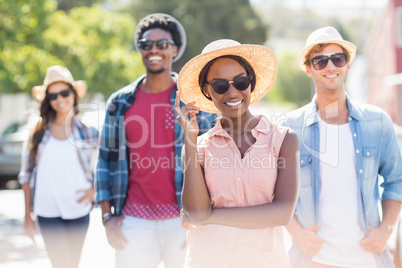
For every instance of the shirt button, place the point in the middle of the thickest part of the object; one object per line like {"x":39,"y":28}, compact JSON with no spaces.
{"x":354,"y":135}
{"x":302,"y":161}
{"x":368,"y":153}
{"x":357,"y":151}
{"x":238,"y":178}
{"x":361,"y":171}
{"x":350,"y":118}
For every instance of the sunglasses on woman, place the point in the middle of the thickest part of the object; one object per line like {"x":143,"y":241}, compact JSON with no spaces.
{"x":53,"y":96}
{"x":221,"y":86}
{"x":162,"y":44}
{"x":338,"y":59}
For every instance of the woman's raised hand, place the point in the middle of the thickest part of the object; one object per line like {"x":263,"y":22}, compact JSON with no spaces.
{"x":190,"y":127}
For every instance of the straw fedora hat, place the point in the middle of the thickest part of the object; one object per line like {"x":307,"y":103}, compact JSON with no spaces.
{"x":261,"y":58}
{"x":325,"y":35}
{"x":180,"y":28}
{"x":55,"y":74}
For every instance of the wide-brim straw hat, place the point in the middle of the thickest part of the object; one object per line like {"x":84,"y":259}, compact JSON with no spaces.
{"x":182,"y":32}
{"x":55,"y":74}
{"x":325,"y":35}
{"x":261,"y":58}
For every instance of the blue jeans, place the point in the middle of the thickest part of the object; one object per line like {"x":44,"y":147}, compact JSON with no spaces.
{"x":63,"y":239}
{"x":152,"y":242}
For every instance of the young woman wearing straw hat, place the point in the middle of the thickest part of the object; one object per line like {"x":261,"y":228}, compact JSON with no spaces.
{"x":56,"y":174}
{"x":241,"y":177}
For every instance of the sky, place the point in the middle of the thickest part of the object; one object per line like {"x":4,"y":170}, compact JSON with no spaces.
{"x":329,"y":3}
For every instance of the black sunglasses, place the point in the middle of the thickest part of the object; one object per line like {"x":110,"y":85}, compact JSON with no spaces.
{"x":338,"y":59}
{"x":64,"y":93}
{"x":221,"y":86}
{"x":162,"y":44}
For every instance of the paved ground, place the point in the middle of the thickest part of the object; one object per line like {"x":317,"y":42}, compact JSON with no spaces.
{"x":18,"y":251}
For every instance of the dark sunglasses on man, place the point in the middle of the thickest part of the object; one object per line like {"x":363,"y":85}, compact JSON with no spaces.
{"x":221,"y":86}
{"x":321,"y":61}
{"x":161,"y":44}
{"x":53,"y":96}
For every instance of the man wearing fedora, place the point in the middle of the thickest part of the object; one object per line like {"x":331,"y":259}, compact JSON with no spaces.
{"x":139,"y":175}
{"x":344,"y":148}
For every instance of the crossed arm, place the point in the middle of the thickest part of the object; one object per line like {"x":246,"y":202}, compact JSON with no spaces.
{"x":197,"y":203}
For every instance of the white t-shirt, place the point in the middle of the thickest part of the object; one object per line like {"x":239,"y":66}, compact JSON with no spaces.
{"x":59,"y":177}
{"x":339,"y":201}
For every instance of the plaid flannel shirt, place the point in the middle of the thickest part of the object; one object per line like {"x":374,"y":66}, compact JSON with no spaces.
{"x":86,"y":142}
{"x":111,"y":178}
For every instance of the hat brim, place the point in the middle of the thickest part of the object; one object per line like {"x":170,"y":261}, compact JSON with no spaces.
{"x":39,"y":92}
{"x":350,"y":47}
{"x":261,"y":58}
{"x":182,"y":32}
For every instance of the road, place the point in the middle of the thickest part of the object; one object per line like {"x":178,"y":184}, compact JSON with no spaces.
{"x":18,"y":251}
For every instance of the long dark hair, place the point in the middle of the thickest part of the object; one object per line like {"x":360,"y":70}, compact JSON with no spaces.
{"x":47,"y":114}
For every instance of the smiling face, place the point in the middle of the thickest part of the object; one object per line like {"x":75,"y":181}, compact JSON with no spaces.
{"x":233,"y":103}
{"x":156,"y":60}
{"x":61,"y":105}
{"x":331,"y":78}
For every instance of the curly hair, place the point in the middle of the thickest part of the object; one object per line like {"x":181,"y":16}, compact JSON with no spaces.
{"x":47,"y":114}
{"x":162,"y":22}
{"x":202,"y":78}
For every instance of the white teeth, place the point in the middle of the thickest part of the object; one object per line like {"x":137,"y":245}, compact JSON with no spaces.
{"x":155,"y":58}
{"x":332,"y":76}
{"x":234,"y":103}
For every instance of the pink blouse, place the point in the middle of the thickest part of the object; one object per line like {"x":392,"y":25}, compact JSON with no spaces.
{"x":233,"y":181}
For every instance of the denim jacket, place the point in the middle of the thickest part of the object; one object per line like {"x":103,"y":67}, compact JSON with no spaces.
{"x":377,"y":153}
{"x":111,"y":177}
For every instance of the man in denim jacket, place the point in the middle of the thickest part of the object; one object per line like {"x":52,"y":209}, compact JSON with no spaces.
{"x":346,"y":151}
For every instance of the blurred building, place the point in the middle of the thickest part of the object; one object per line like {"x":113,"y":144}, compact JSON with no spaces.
{"x":383,"y":52}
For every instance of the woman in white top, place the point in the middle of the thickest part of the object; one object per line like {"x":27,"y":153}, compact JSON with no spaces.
{"x":56,"y":174}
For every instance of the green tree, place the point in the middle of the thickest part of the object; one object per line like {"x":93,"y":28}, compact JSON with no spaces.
{"x":67,"y":5}
{"x":291,"y":84}
{"x":21,"y":40}
{"x":22,"y":21}
{"x":96,"y":45}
